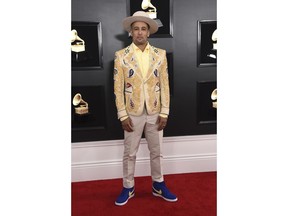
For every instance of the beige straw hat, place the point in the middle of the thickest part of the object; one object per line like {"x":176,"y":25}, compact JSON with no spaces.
{"x":140,"y":16}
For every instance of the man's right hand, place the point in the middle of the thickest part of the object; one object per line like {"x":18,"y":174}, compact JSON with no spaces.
{"x":127,"y":125}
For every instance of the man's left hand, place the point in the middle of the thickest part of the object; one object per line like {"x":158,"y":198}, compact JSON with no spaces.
{"x":161,"y":123}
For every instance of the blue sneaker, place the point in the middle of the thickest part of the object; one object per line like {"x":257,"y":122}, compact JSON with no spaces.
{"x":159,"y":189}
{"x":125,"y":195}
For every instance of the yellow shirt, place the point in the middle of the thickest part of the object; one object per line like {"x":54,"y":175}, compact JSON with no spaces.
{"x":143,"y":60}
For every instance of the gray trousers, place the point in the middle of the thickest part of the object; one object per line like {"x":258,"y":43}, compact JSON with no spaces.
{"x":146,"y":123}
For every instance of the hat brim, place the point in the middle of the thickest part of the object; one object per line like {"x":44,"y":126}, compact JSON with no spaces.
{"x":127,"y":22}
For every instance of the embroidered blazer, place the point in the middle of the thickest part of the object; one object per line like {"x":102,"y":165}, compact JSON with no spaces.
{"x":132,"y":91}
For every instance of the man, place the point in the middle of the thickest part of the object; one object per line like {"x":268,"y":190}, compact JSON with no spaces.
{"x":142,"y":97}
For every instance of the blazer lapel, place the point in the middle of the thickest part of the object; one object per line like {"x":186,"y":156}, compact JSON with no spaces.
{"x":152,"y":62}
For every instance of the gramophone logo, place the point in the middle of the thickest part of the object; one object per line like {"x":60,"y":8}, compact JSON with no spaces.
{"x":81,"y":106}
{"x":146,"y":4}
{"x":214,"y":98}
{"x":77,"y":44}
{"x":151,"y":10}
{"x":213,"y":53}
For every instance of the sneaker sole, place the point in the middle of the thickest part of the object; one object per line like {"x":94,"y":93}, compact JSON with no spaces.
{"x":121,"y":204}
{"x":169,"y":200}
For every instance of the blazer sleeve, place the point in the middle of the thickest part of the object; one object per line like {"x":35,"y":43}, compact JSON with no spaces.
{"x":119,"y":87}
{"x":164,"y":84}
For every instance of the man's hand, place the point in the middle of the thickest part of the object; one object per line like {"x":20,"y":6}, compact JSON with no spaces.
{"x":127,"y":125}
{"x":161,"y":123}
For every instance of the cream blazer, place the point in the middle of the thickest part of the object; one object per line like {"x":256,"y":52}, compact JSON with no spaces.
{"x":133,"y":92}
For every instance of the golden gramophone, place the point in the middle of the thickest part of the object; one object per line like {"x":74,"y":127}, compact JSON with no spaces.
{"x":214,"y":39}
{"x":82,"y":106}
{"x":151,"y":12}
{"x":214,"y":49}
{"x":77,"y":44}
{"x":214,"y":98}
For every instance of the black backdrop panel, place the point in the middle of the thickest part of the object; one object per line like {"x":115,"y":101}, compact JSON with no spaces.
{"x":95,"y":120}
{"x":205,"y":44}
{"x":91,"y":33}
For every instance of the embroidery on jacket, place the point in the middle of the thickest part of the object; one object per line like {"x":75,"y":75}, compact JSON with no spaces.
{"x":132,"y":104}
{"x":127,"y":50}
{"x":128,"y":88}
{"x":156,"y":73}
{"x":155,"y":103}
{"x":155,"y":50}
{"x":131,"y":73}
{"x":157,"y":87}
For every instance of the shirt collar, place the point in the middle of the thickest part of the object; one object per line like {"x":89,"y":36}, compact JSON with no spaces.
{"x":137,"y":49}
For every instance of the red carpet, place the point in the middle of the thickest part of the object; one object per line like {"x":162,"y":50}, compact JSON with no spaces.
{"x":196,"y":194}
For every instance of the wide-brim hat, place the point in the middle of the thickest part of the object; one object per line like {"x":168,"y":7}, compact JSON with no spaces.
{"x":140,"y":16}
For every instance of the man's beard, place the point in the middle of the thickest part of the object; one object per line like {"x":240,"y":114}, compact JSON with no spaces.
{"x":140,"y":42}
